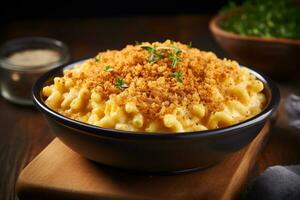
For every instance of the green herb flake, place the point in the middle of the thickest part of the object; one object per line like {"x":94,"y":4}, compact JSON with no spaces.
{"x":174,"y":58}
{"x":97,"y":60}
{"x":190,"y":44}
{"x":107,"y":68}
{"x":154,"y":55}
{"x":120,"y":83}
{"x":178,"y":76}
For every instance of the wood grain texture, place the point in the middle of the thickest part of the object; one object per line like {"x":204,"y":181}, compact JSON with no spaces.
{"x":61,"y":173}
{"x":23,"y":134}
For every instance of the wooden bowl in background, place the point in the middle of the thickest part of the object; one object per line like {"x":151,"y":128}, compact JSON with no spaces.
{"x":276,"y":57}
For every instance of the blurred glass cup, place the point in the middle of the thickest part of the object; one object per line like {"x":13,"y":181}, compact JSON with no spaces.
{"x":23,"y":61}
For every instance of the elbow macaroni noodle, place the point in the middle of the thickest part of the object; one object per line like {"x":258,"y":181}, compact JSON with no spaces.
{"x":80,"y":101}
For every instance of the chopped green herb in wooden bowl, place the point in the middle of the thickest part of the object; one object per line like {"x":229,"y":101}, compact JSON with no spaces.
{"x":263,"y":34}
{"x":268,"y":18}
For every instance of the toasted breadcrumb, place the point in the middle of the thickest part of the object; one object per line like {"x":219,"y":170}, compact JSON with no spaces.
{"x":151,"y":85}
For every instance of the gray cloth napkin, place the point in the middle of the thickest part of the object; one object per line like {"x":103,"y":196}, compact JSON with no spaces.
{"x":276,"y":183}
{"x":292,"y":107}
{"x":279,"y":182}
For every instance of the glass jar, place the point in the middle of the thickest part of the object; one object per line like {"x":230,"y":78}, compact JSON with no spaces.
{"x":23,"y":61}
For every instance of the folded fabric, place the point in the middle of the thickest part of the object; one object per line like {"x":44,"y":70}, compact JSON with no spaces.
{"x":276,"y":183}
{"x":292,"y":106}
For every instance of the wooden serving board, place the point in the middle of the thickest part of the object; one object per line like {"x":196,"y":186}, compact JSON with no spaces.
{"x":59,"y":173}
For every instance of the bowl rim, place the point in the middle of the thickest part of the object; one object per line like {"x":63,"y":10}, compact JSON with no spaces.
{"x":120,"y":134}
{"x":217,"y":30}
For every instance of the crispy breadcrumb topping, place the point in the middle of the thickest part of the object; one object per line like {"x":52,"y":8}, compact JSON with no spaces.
{"x":158,"y":77}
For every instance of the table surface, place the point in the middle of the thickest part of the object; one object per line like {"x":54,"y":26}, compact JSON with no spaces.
{"x":24,"y":132}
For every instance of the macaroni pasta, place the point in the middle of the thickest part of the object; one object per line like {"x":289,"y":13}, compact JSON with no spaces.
{"x":158,"y":87}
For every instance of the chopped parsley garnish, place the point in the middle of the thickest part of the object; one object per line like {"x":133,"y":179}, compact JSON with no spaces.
{"x":120,"y":83}
{"x":177,"y":51}
{"x":190,"y":44}
{"x":155,"y":53}
{"x":178,"y":76}
{"x":107,"y":68}
{"x":174,"y":58}
{"x":97,"y":60}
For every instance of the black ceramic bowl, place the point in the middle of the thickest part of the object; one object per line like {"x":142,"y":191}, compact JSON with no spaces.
{"x":154,"y":152}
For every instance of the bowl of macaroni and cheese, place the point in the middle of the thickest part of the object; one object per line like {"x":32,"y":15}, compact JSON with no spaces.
{"x":156,"y":107}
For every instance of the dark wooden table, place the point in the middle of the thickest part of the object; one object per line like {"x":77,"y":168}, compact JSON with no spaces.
{"x":24,"y":132}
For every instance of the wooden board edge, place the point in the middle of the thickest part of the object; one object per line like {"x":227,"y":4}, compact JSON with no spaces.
{"x":240,"y":176}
